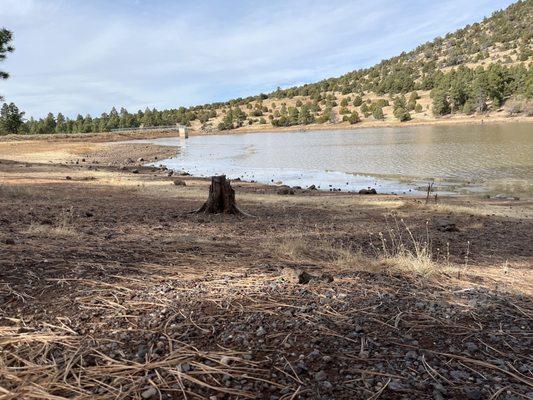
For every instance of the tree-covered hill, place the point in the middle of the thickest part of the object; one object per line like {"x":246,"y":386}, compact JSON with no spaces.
{"x":484,"y":68}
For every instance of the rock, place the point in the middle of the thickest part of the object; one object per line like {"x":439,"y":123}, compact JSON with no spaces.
{"x":459,"y":375}
{"x":285,"y":190}
{"x":327,"y":386}
{"x":179,"y":182}
{"x":149,"y":393}
{"x":368,"y":191}
{"x":471,"y":347}
{"x":140,"y":159}
{"x":473,"y":394}
{"x":312,"y":187}
{"x":320,"y":376}
{"x":326,"y":278}
{"x":141,"y":352}
{"x":225,"y":360}
{"x":170,"y":173}
{"x":68,"y":178}
{"x":184,"y":173}
{"x":9,"y":241}
{"x":411,"y":355}
{"x":296,"y":275}
{"x":260,"y":332}
{"x":134,"y":171}
{"x":297,"y":187}
{"x":447,"y":224}
{"x":396,"y":385}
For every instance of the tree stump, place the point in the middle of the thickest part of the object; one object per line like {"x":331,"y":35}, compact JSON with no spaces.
{"x":221,"y":198}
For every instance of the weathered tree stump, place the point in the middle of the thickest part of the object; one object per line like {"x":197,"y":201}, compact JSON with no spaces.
{"x":221,"y":198}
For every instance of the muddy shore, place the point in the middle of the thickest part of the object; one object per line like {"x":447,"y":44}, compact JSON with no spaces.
{"x":110,"y":288}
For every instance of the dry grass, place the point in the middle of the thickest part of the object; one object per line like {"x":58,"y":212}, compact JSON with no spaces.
{"x":399,"y":248}
{"x":63,"y":228}
{"x":16,"y":191}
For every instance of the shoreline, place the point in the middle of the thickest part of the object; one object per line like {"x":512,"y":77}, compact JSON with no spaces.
{"x":154,"y":134}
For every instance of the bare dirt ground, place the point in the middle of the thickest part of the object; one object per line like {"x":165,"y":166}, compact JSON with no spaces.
{"x":111,"y":289}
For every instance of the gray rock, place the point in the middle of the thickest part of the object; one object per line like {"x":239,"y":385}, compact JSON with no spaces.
{"x":368,"y":191}
{"x":459,"y":375}
{"x":179,"y":182}
{"x":473,"y":394}
{"x":260,"y":332}
{"x":149,"y":393}
{"x":471,"y":347}
{"x":320,"y":376}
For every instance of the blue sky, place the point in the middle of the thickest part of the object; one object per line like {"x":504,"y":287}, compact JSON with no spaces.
{"x":87,"y":56}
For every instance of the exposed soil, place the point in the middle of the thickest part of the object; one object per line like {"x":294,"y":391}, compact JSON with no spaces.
{"x":111,"y":289}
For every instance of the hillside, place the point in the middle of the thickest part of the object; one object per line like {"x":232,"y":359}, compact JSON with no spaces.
{"x":482,"y":69}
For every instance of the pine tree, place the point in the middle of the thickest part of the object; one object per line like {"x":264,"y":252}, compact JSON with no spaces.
{"x":10,"y":118}
{"x":5,"y":47}
{"x":61,"y":126}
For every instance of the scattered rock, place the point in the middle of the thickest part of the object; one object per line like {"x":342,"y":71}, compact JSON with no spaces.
{"x":68,"y":178}
{"x":170,"y":173}
{"x":179,"y":182}
{"x":134,"y":171}
{"x":312,"y":187}
{"x":140,"y":159}
{"x":260,"y":331}
{"x":368,"y":191}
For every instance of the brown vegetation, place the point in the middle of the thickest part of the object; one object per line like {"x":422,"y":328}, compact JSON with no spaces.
{"x":111,"y":289}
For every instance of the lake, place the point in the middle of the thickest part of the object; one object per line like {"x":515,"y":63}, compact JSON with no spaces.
{"x":489,"y":158}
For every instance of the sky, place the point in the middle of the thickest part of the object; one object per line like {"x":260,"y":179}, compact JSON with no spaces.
{"x":75,"y":56}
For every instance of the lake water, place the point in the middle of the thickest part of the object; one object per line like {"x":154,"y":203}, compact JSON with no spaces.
{"x":488,"y":158}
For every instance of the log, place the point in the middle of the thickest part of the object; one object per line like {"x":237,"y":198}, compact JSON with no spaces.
{"x":221,"y":198}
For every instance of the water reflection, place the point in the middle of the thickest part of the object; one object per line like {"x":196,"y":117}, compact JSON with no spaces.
{"x":460,"y":157}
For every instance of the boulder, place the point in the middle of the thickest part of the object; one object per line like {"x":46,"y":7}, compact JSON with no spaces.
{"x":179,"y":182}
{"x":368,"y":191}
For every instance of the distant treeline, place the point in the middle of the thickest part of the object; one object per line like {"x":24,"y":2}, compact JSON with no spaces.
{"x":461,"y":90}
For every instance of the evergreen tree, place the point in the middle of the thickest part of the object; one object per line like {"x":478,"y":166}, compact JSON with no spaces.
{"x":10,"y":118}
{"x":378,"y":113}
{"x":441,"y":106}
{"x":61,"y":126}
{"x":5,"y":47}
